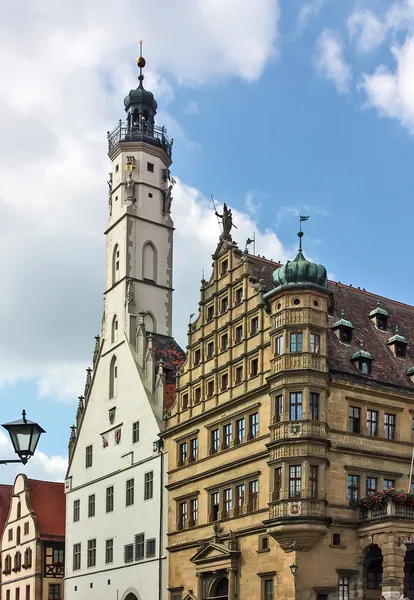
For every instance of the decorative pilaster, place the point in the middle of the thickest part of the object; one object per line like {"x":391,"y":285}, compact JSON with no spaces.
{"x":141,"y":338}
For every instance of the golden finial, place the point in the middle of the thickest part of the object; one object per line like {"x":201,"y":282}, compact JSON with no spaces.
{"x":140,"y":59}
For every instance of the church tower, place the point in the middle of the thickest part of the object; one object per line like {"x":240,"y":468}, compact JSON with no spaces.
{"x":140,"y":230}
{"x":115,"y":505}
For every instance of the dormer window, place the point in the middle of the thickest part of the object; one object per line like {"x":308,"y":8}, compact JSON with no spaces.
{"x":410,"y":373}
{"x":343,"y":329}
{"x":398,"y":344}
{"x":363,"y":361}
{"x":379,"y":316}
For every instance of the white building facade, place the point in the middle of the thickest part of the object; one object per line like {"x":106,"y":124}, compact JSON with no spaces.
{"x":116,"y":514}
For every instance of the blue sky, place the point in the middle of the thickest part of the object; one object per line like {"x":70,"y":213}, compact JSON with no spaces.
{"x":299,"y":107}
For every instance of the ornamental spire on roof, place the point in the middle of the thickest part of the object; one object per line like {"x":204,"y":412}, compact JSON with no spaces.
{"x":140,"y":62}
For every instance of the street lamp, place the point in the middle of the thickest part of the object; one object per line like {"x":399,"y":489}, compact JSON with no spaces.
{"x":24,"y":436}
{"x":294,"y":569}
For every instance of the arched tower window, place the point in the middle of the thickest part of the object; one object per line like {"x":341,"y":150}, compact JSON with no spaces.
{"x":18,"y":536}
{"x":150,"y":324}
{"x":149,"y":262}
{"x":114,"y":331}
{"x":115,"y":264}
{"x":113,"y":377}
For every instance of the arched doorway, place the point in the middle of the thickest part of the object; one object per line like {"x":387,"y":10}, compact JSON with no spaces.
{"x":373,"y":573}
{"x":409,"y":571}
{"x":220,"y":589}
{"x":131,"y":596}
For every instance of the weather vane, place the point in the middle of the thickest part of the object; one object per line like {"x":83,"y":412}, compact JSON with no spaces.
{"x":140,"y":60}
{"x":300,"y":232}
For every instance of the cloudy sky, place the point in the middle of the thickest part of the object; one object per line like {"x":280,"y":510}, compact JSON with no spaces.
{"x":286,"y":106}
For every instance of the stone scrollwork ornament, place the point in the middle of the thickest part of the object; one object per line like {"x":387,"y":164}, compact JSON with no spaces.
{"x":129,"y":292}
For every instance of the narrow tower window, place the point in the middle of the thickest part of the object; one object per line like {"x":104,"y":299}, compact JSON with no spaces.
{"x":113,"y":377}
{"x":115,"y":264}
{"x":114,"y":335}
{"x":149,"y":262}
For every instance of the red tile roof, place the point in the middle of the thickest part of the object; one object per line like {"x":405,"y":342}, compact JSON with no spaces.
{"x":47,"y":500}
{"x":172,"y":356}
{"x":5,"y":493}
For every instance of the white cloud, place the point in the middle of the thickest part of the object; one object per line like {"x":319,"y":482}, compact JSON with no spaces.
{"x":330,"y":61}
{"x":307,"y":11}
{"x":367,"y":29}
{"x":192,"y":108}
{"x":61,"y":89}
{"x":391,"y":93}
{"x":40,"y":466}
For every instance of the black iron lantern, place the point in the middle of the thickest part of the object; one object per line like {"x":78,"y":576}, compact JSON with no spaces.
{"x":24,"y":435}
{"x":294,"y":569}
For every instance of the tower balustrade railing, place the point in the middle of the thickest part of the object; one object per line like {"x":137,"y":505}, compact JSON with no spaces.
{"x":145,"y":132}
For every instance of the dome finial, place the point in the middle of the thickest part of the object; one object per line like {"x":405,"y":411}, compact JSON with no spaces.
{"x":140,"y":62}
{"x":300,"y":232}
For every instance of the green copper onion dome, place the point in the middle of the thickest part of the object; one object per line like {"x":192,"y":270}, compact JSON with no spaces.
{"x":342,"y":322}
{"x":410,"y":371}
{"x":363,"y":354}
{"x":300,"y":272}
{"x":378,"y":311}
{"x":397,"y":338}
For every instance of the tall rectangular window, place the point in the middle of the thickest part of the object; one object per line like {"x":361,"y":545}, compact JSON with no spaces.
{"x":91,"y":553}
{"x":227,"y":432}
{"x":210,"y":388}
{"x":389,"y":426}
{"x":182,"y":453}
{"x":109,"y":499}
{"x":253,"y":425}
{"x":197,"y":357}
{"x":76,"y":557}
{"x":315,"y":341}
{"x":296,"y":342}
{"x":354,"y":418}
{"x":295,"y":481}
{"x":210,"y":350}
{"x":239,"y":500}
{"x":135,"y":432}
{"x":313,"y":481}
{"x":215,"y":506}
{"x":371,"y":486}
{"x":254,"y":325}
{"x":148,"y":485}
{"x":268,"y":589}
{"x":193,"y":449}
{"x":109,"y":551}
{"x":344,"y":588}
{"x":150,"y":553}
{"x":224,"y":266}
{"x":238,"y":375}
{"x":129,"y":492}
{"x":279,"y":345}
{"x":253,"y":495}
{"x":295,"y":408}
{"x":91,"y":505}
{"x":128,"y":553}
{"x":227,"y":501}
{"x":372,"y":422}
{"x":139,"y":546}
{"x":254,"y":367}
{"x":389,"y":484}
{"x":210,"y":313}
{"x":215,"y":440}
{"x":278,"y":408}
{"x":314,"y":406}
{"x":239,"y":296}
{"x":224,"y":382}
{"x":353,"y":488}
{"x":239,"y":431}
{"x":182,"y":515}
{"x":238,"y":334}
{"x":224,"y":305}
{"x":278,"y":483}
{"x":76,"y":510}
{"x":54,"y":591}
{"x":88,"y":456}
{"x":17,"y":594}
{"x":28,"y":592}
{"x":193,"y":512}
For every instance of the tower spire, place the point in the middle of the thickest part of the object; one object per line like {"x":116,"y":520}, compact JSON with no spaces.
{"x":140,"y":63}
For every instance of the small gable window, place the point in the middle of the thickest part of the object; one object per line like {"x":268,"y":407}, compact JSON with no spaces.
{"x":363,"y":361}
{"x":114,"y":335}
{"x":398,"y":344}
{"x":379,"y":316}
{"x":343,"y":329}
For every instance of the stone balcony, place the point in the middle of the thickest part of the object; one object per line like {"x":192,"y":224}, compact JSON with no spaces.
{"x":305,"y":316}
{"x":287,"y":430}
{"x":297,"y":522}
{"x":299,"y":362}
{"x":390,"y":511}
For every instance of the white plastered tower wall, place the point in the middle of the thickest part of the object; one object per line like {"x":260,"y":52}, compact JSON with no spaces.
{"x":126,"y":386}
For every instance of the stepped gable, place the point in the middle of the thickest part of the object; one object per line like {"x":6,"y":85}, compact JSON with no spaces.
{"x":172,"y":356}
{"x":5,"y":493}
{"x":47,"y":500}
{"x":357,"y":305}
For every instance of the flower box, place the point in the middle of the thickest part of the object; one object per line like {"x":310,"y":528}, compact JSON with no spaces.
{"x":380,"y":499}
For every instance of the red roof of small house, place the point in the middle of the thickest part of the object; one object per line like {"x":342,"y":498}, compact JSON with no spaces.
{"x":48,"y":502}
{"x":5,"y":493}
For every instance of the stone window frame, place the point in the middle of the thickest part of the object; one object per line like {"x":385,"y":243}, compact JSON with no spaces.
{"x":233,"y":419}
{"x":186,"y":500}
{"x":246,"y":480}
{"x":186,"y":440}
{"x":305,"y":481}
{"x":363,"y":473}
{"x":267,"y":576}
{"x":364,"y":406}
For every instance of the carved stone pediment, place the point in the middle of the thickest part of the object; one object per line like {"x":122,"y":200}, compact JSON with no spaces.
{"x":215,"y":552}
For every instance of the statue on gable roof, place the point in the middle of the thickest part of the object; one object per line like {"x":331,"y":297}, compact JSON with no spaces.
{"x":227,"y":221}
